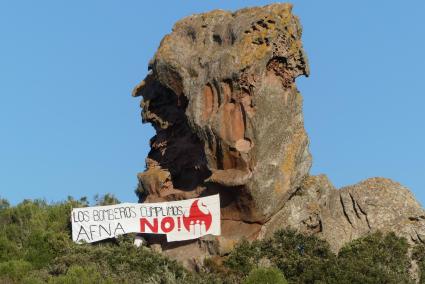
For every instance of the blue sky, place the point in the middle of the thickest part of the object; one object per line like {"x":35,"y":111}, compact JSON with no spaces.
{"x":68,"y":125}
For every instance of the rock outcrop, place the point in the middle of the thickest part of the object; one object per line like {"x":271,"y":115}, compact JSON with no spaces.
{"x":342,"y":215}
{"x":222,"y":98}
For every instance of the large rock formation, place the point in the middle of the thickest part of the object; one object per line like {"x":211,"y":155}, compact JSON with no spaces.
{"x":222,"y":98}
{"x":342,"y":215}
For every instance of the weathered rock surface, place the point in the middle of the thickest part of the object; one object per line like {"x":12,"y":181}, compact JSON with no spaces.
{"x":340,"y":216}
{"x":222,"y":98}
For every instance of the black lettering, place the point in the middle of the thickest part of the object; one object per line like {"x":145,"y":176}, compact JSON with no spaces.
{"x":146,"y":211}
{"x":122,"y":212}
{"x":117,"y":213}
{"x":132,"y":212}
{"x":86,"y":216}
{"x":159,"y":210}
{"x":106,"y":231}
{"x":95,"y":215}
{"x":175,"y":210}
{"x":127,"y":212}
{"x":82,"y":231}
{"x":119,"y":227}
{"x":91,"y":231}
{"x":73,"y":218}
{"x":110,"y":215}
{"x":81,"y":216}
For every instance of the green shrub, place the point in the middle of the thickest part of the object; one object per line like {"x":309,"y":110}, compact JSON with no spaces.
{"x":120,"y":261}
{"x":376,"y":258}
{"x":265,"y":276}
{"x":79,"y":275}
{"x":418,"y":255}
{"x":107,"y":199}
{"x":36,"y":247}
{"x":32,"y":280}
{"x":14,"y":270}
{"x":8,"y":249}
{"x":4,"y":203}
{"x":245,"y":257}
{"x":303,"y":259}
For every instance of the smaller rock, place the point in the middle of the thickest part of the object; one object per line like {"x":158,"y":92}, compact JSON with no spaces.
{"x":340,"y":216}
{"x":243,"y":145}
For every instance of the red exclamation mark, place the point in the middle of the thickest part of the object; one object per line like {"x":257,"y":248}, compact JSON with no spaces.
{"x":178,"y":224}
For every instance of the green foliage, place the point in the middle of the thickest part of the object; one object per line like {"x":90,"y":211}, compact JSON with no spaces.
{"x":418,"y":254}
{"x":107,"y":199}
{"x":265,"y":276}
{"x":80,"y":275}
{"x":120,"y":262}
{"x":36,"y":247}
{"x":33,"y":231}
{"x":4,"y":204}
{"x":14,"y":270}
{"x":376,"y":258}
{"x":302,"y":259}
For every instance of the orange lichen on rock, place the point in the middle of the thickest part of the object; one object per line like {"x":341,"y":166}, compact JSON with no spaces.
{"x":222,"y":97}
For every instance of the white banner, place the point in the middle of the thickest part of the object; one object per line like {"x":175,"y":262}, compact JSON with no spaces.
{"x":179,"y":220}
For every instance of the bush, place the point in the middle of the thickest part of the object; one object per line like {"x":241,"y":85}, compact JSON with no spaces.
{"x":265,"y":276}
{"x":14,"y":270}
{"x":107,"y":199}
{"x":376,"y":258}
{"x":36,"y":247}
{"x":418,"y":255}
{"x":79,"y":275}
{"x":4,"y":203}
{"x":302,"y":259}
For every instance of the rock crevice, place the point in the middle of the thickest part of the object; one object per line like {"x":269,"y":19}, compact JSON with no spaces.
{"x":222,"y":98}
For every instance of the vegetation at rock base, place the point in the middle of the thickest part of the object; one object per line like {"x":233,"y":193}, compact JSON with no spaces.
{"x":418,"y":255}
{"x":377,"y":258}
{"x":36,"y":247}
{"x":265,"y":276}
